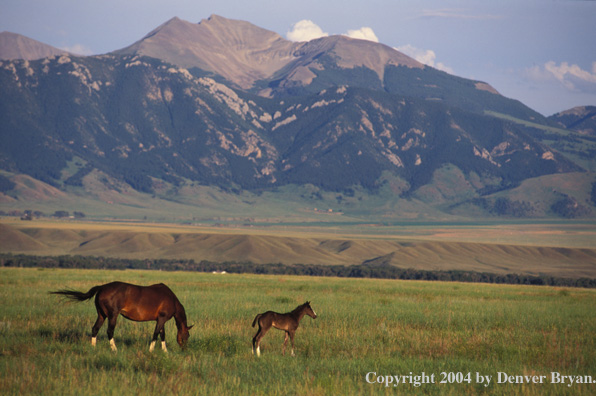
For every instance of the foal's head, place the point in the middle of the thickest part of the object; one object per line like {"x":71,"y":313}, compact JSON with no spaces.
{"x":309,"y":311}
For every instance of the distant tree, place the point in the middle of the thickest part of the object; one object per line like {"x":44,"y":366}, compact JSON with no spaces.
{"x":61,"y":213}
{"x":79,"y":215}
{"x":568,"y":207}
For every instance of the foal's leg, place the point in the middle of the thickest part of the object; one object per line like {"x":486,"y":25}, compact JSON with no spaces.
{"x":283,"y":350}
{"x":256,"y":341}
{"x":291,"y":333}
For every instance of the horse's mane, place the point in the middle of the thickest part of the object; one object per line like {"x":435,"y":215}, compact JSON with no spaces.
{"x":300,"y":307}
{"x":180,"y":314}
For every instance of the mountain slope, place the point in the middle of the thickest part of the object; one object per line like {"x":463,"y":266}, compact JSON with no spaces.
{"x":581,"y":119}
{"x":132,"y":118}
{"x":142,"y":119}
{"x":16,"y":46}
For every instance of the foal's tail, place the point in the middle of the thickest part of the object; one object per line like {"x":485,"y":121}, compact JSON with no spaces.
{"x":254,"y":322}
{"x":76,"y":295}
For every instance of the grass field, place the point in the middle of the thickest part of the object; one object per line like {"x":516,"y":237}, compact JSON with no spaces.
{"x":364,"y":326}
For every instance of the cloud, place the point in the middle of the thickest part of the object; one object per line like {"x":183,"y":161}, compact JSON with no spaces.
{"x":572,"y":77}
{"x":78,"y":49}
{"x":364,"y":33}
{"x":428,"y":57}
{"x":454,"y":13}
{"x":305,"y":30}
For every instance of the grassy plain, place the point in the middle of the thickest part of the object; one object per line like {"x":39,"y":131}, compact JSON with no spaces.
{"x":364,"y":326}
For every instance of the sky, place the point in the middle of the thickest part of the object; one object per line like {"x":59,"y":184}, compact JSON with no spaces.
{"x":540,"y":52}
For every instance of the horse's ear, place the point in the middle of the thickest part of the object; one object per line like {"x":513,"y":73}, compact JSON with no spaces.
{"x":190,"y":327}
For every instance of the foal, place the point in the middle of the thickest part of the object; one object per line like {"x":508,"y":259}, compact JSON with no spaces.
{"x":287,"y":322}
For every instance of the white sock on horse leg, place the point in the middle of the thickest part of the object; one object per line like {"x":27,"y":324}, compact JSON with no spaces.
{"x":151,"y":346}
{"x":93,"y":341}
{"x":113,"y":345}
{"x":163,"y":346}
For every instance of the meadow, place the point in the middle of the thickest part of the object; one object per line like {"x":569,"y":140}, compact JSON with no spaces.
{"x":387,"y":327}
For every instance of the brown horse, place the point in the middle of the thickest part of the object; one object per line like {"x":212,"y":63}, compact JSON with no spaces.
{"x":287,"y":322}
{"x":137,"y":303}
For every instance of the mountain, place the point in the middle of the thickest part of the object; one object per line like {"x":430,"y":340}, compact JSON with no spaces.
{"x":262,"y":62}
{"x":243,"y":53}
{"x":581,"y":119}
{"x":15,"y":46}
{"x":229,"y":105}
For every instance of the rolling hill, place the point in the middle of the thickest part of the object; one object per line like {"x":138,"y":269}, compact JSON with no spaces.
{"x":299,"y":248}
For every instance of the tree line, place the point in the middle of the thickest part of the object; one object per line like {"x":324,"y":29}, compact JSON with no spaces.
{"x":341,"y":271}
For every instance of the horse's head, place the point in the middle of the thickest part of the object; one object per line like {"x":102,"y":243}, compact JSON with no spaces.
{"x":309,"y":311}
{"x":183,"y":335}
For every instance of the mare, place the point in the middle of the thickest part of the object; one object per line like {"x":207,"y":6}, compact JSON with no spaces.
{"x":137,"y":303}
{"x":287,"y":322}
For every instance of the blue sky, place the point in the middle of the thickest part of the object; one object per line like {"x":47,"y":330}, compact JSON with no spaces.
{"x":542,"y":53}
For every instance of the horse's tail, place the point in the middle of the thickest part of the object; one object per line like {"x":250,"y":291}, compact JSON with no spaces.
{"x":254,"y":322}
{"x":76,"y":295}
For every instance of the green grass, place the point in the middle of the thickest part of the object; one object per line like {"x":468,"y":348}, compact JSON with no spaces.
{"x":387,"y":327}
{"x":561,"y":131}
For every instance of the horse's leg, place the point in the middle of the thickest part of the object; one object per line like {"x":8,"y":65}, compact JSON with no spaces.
{"x":162,"y":333}
{"x":159,"y":330}
{"x":163,"y":339}
{"x":112,"y":318}
{"x":96,"y":327}
{"x":101,"y":316}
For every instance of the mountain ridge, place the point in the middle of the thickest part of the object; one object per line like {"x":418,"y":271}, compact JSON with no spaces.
{"x":16,"y":46}
{"x":581,"y":119}
{"x":244,"y":53}
{"x":326,"y":118}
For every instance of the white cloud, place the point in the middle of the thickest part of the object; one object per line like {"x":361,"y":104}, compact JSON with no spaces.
{"x":456,"y":13}
{"x":364,"y":33}
{"x":305,"y":30}
{"x":572,"y":77}
{"x":428,"y":57}
{"x":78,"y":49}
